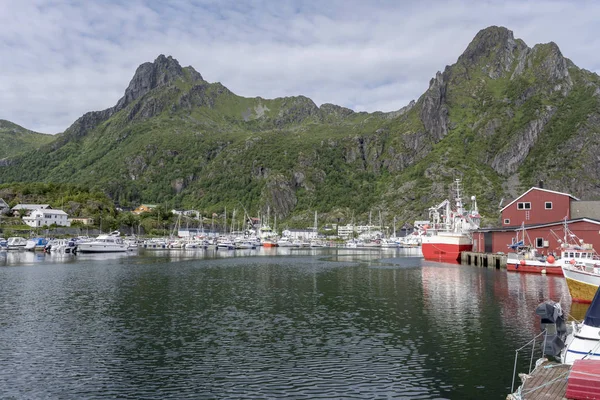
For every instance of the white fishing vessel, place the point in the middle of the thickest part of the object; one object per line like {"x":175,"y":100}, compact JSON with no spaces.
{"x":108,"y":243}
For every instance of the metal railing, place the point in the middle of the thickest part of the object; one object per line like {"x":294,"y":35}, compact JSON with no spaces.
{"x":532,"y":342}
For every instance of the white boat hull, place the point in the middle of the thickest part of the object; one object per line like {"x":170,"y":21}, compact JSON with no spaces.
{"x":100,"y":248}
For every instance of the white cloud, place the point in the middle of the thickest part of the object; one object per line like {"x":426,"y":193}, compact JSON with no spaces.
{"x":59,"y":60}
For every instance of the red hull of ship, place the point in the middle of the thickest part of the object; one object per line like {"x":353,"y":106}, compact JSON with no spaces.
{"x":444,"y":252}
{"x":553,"y":270}
{"x":270,"y":244}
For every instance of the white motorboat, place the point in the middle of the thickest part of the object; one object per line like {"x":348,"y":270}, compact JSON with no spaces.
{"x":155,"y":244}
{"x":584,"y":340}
{"x":244,"y":244}
{"x":16,"y":243}
{"x":196,"y":244}
{"x":110,"y":243}
{"x":285,"y":242}
{"x":225,"y":244}
{"x":61,"y":246}
{"x":36,"y":244}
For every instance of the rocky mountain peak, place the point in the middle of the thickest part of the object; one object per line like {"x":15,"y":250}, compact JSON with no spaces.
{"x":493,"y":49}
{"x":162,"y":72}
{"x":551,"y":62}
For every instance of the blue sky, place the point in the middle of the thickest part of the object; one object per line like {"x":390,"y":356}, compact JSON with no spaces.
{"x":61,"y":59}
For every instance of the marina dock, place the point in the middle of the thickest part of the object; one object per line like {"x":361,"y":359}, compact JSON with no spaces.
{"x":488,"y":260}
{"x":548,"y":381}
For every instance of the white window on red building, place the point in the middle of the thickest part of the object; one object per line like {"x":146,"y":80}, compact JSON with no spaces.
{"x":524,"y":206}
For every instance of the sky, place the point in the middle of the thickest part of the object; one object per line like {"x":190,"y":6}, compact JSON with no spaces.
{"x":62,"y":58}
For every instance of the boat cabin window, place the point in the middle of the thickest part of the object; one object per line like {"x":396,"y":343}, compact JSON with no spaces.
{"x":576,"y":255}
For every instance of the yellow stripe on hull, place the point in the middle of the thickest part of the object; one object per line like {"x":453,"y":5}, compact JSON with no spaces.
{"x":580,"y":291}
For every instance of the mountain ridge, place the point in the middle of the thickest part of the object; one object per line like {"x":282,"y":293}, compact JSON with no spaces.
{"x":15,"y":139}
{"x":492,"y":118}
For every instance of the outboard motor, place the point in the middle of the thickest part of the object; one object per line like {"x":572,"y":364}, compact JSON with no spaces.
{"x":553,"y":323}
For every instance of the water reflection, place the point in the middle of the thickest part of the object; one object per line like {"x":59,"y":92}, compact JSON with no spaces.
{"x":20,"y":258}
{"x":264,"y":323}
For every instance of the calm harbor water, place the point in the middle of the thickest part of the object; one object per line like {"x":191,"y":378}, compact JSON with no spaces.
{"x":269,"y":323}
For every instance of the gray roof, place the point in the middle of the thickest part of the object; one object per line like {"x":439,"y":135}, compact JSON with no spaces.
{"x":585,"y":209}
{"x":31,"y":207}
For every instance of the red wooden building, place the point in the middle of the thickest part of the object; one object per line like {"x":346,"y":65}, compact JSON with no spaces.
{"x":537,"y":206}
{"x":544,"y":237}
{"x":542,"y":213}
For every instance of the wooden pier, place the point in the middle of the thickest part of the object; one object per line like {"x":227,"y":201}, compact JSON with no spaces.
{"x":488,"y":260}
{"x":548,"y":381}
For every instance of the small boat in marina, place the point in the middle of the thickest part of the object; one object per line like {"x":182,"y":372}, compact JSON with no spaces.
{"x":583,"y":278}
{"x":155,"y":244}
{"x":584,"y":339}
{"x":16,"y":243}
{"x":576,"y":347}
{"x":109,"y":243}
{"x":580,"y":340}
{"x":225,"y":243}
{"x":61,"y":246}
{"x":244,"y":244}
{"x":195,"y":244}
{"x":36,"y":244}
{"x":285,"y":242}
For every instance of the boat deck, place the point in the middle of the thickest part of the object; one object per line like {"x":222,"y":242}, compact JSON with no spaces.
{"x":548,"y":381}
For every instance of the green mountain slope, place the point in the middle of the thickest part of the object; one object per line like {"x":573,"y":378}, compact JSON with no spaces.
{"x":503,"y":117}
{"x":15,"y":139}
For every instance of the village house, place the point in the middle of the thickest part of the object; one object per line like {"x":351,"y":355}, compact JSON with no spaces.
{"x":46,"y":217}
{"x":143,"y":208}
{"x":84,"y":221}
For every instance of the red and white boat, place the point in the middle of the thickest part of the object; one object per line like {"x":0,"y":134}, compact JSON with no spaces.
{"x":451,"y":229}
{"x":573,"y":255}
{"x":525,"y":258}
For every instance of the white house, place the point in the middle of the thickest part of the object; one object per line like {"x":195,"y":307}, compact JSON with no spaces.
{"x":47,"y":217}
{"x":348,"y":231}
